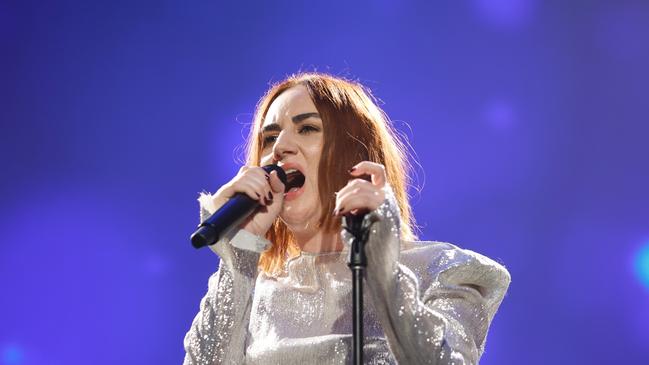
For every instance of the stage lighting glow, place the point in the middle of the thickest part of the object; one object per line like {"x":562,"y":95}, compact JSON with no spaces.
{"x":12,"y":355}
{"x":156,"y":264}
{"x":499,"y":114}
{"x":641,"y":264}
{"x":506,"y":13}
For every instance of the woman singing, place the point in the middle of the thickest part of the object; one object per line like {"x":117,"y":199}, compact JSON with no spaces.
{"x":282,"y":293}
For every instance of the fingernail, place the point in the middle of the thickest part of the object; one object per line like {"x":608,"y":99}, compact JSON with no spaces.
{"x":335,"y":212}
{"x":351,"y":170}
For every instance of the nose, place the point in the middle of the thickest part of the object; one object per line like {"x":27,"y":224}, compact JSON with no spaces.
{"x":284,"y":146}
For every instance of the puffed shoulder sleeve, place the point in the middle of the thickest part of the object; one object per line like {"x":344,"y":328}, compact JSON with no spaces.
{"x":217,"y":334}
{"x":463,"y":288}
{"x":434,"y":301}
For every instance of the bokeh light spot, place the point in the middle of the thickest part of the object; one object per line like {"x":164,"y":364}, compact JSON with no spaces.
{"x":641,"y":264}
{"x":505,"y":13}
{"x":156,"y":264}
{"x":499,"y":114}
{"x":12,"y":355}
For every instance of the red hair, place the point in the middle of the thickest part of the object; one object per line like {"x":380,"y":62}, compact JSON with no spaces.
{"x":352,"y":122}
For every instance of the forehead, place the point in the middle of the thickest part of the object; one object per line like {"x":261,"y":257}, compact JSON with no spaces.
{"x":288,"y":104}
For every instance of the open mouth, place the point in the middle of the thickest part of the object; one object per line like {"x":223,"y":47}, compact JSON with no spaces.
{"x":294,"y":180}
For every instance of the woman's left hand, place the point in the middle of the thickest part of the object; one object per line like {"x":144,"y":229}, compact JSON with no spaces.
{"x":360,"y":194}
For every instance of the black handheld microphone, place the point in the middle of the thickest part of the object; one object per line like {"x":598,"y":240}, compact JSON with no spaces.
{"x":232,"y":213}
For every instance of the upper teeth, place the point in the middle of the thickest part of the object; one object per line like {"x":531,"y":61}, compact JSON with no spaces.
{"x":290,"y":171}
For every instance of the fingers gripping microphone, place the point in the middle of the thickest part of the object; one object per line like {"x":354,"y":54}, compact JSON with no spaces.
{"x":232,"y":213}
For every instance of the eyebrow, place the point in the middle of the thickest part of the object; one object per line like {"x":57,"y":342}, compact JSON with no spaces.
{"x":296,"y":119}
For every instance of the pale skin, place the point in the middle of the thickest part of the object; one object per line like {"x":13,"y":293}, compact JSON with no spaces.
{"x":293,"y":136}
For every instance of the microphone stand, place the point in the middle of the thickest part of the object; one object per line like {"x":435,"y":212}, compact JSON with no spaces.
{"x":357,"y":263}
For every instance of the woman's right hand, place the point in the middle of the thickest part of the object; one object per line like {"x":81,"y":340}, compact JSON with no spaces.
{"x":259,"y":185}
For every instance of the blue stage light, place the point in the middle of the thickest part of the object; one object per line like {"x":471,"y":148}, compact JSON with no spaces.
{"x":12,"y":355}
{"x":641,"y":264}
{"x":500,"y":114}
{"x":506,"y":13}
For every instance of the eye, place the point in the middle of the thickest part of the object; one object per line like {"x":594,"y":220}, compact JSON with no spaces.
{"x":306,"y":129}
{"x":268,"y":139}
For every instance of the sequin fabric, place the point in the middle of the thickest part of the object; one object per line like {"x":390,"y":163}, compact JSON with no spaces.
{"x":425,"y":303}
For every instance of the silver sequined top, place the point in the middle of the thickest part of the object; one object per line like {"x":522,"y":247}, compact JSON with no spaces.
{"x":424,"y":302}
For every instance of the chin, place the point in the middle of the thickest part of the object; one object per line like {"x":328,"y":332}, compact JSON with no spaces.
{"x":297,"y":219}
{"x":293,"y":218}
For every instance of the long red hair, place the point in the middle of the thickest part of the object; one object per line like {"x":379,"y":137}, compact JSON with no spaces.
{"x":355,"y":130}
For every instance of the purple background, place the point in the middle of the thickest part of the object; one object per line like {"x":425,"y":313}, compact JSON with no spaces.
{"x":529,"y":119}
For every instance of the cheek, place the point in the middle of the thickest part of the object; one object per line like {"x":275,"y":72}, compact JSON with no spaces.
{"x":314,"y":164}
{"x":265,"y":160}
{"x":314,"y":153}
{"x":265,"y":155}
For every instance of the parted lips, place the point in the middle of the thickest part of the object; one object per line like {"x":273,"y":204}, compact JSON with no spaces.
{"x":294,"y":179}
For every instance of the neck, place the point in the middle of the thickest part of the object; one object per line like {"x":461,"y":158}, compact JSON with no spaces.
{"x":318,"y":241}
